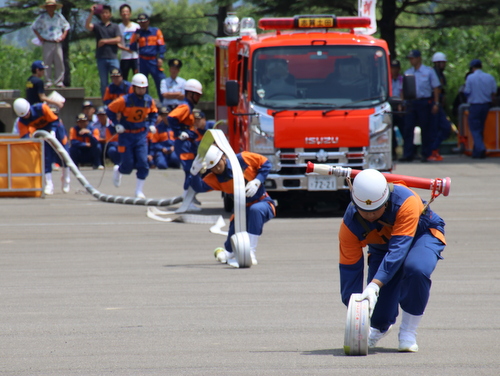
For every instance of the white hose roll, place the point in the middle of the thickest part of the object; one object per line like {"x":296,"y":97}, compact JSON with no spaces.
{"x":357,"y":327}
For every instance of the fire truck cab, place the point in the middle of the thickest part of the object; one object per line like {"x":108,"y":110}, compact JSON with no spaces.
{"x":302,"y":92}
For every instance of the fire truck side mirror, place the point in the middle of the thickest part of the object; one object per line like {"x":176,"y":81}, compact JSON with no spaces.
{"x":232,"y":93}
{"x":409,"y":87}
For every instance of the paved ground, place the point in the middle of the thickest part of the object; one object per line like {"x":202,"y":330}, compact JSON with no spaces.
{"x":92,"y":288}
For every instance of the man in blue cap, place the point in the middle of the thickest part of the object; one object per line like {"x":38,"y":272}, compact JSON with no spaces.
{"x":480,"y":89}
{"x":35,"y":92}
{"x":420,"y":110}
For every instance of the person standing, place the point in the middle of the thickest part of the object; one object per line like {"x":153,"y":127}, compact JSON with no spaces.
{"x":441,"y":124}
{"x":397,"y":103}
{"x":128,"y":61}
{"x":52,"y":28}
{"x":181,"y":120}
{"x":138,"y":116}
{"x":259,"y":206}
{"x":405,"y":239}
{"x":172,"y":87}
{"x":35,"y":92}
{"x":149,"y":43}
{"x":480,"y":89}
{"x":420,"y":110}
{"x":107,"y":36}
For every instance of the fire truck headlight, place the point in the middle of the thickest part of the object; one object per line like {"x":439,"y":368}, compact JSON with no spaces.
{"x":262,"y":143}
{"x":380,"y":150}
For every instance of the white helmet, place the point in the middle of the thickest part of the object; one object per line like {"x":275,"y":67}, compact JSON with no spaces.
{"x":213,"y":156}
{"x":21,"y":107}
{"x":193,"y":85}
{"x":369,"y":190}
{"x":139,"y":80}
{"x":438,"y":56}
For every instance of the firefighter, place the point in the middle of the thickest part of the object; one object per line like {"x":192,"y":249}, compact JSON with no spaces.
{"x":181,"y":120}
{"x":117,"y":87}
{"x":40,"y":117}
{"x":85,"y":146}
{"x":259,"y":206}
{"x":405,"y":239}
{"x":138,"y":116}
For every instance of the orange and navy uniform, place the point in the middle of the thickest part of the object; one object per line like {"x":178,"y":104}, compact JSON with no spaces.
{"x":259,"y":208}
{"x":404,"y":238}
{"x":113,"y":91}
{"x":40,"y":117}
{"x":161,"y":140}
{"x":85,"y":148}
{"x":137,"y":114}
{"x":86,"y":140}
{"x":148,"y":43}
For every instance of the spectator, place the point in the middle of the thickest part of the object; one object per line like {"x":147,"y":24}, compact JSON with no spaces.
{"x":89,"y":110}
{"x":161,"y":148}
{"x":35,"y":92}
{"x":420,"y":110}
{"x":138,"y":115}
{"x":442,"y":126}
{"x":102,"y":125}
{"x":149,"y":43}
{"x":107,"y":36}
{"x":259,"y":206}
{"x":85,"y":147}
{"x":128,"y":61}
{"x":37,"y":117}
{"x":181,"y":119}
{"x":480,"y":88}
{"x":397,"y":103}
{"x":405,"y":239}
{"x":117,"y":87}
{"x":172,"y":87}
{"x":51,"y":28}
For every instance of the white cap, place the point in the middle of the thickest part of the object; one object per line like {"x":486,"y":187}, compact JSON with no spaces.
{"x":21,"y":107}
{"x":438,"y":56}
{"x":193,"y":85}
{"x":369,"y":190}
{"x":139,"y":80}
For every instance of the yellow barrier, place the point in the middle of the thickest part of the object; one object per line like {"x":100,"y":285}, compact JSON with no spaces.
{"x":21,"y":167}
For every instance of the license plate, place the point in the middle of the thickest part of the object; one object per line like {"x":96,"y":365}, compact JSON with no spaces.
{"x":321,"y":183}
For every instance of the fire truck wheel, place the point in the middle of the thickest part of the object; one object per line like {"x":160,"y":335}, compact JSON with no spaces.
{"x":228,"y":203}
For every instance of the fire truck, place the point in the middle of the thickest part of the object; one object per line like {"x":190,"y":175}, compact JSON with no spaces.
{"x":305,"y":91}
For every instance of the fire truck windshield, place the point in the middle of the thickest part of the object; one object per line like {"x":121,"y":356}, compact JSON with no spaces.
{"x":320,"y":77}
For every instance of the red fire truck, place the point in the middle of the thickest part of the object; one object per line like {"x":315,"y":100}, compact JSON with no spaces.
{"x":305,"y":91}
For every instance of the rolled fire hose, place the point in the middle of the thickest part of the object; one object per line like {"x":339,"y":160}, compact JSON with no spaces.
{"x":56,"y":145}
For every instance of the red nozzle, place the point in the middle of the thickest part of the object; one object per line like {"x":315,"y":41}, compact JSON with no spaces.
{"x":310,"y":167}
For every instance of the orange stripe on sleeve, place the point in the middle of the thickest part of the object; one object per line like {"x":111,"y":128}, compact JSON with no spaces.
{"x":350,"y":247}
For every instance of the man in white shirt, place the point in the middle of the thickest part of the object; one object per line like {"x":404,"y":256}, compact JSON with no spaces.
{"x":128,"y":61}
{"x":172,"y":87}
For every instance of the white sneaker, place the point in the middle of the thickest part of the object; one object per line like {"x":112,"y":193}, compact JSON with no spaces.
{"x":407,"y":346}
{"x":100,"y":167}
{"x":140,"y":195}
{"x":49,"y":189}
{"x":376,"y":335}
{"x":254,"y":259}
{"x":193,"y":208}
{"x":65,"y":186}
{"x":117,"y":177}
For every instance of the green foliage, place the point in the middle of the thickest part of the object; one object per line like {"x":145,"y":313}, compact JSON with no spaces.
{"x":16,"y":66}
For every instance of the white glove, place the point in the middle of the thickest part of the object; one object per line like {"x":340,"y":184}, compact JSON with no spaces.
{"x":199,"y":165}
{"x":119,"y":128}
{"x":370,"y":293}
{"x":152,"y":129}
{"x":252,"y":187}
{"x":183,"y":136}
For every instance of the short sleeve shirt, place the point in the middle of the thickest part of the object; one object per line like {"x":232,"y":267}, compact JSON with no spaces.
{"x":34,"y":87}
{"x":169,"y":85}
{"x":426,"y":80}
{"x":101,"y":31}
{"x":127,"y":32}
{"x":50,"y":28}
{"x":479,"y":86}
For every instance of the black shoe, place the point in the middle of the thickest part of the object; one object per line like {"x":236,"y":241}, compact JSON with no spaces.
{"x":480,"y":156}
{"x":405,"y":159}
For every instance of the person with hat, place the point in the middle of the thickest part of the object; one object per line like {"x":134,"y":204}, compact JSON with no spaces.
{"x":172,"y":87}
{"x":51,"y":29}
{"x":107,"y":36}
{"x":181,"y":119}
{"x":103,"y":125}
{"x":259,"y":206}
{"x":35,"y":92}
{"x":89,"y":110}
{"x":117,"y":87}
{"x":397,"y":103}
{"x":149,"y":43}
{"x":480,"y":89}
{"x":138,"y":114}
{"x":161,"y":147}
{"x":420,"y":110}
{"x":35,"y":117}
{"x":85,"y":147}
{"x":129,"y":58}
{"x":405,"y":239}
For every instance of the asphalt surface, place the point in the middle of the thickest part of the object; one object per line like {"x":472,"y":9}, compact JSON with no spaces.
{"x":93,"y":288}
